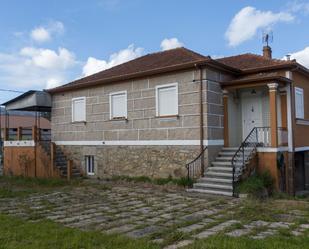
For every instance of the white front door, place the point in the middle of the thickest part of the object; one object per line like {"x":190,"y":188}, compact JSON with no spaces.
{"x":251,"y":113}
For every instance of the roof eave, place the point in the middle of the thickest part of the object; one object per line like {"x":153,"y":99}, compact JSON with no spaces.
{"x":269,"y":68}
{"x":279,"y":79}
{"x":126,"y":77}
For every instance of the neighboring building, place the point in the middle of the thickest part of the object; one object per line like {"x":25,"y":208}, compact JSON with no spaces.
{"x":154,"y":114}
{"x":13,"y":121}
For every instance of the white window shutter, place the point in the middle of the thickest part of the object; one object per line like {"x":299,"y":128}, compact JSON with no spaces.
{"x":299,"y":103}
{"x":118,"y":105}
{"x":79,"y":110}
{"x":167,"y":101}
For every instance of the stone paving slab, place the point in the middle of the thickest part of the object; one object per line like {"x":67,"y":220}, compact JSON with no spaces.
{"x":143,"y":232}
{"x":139,"y":213}
{"x":179,"y":244}
{"x":215,"y":229}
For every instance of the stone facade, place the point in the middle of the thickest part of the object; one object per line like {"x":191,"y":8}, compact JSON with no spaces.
{"x":151,"y":161}
{"x":160,"y":160}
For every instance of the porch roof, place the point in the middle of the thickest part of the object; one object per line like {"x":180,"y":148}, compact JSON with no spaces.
{"x":258,"y":79}
{"x":30,"y":101}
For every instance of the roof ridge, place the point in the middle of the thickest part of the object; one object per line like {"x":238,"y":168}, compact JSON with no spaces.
{"x":252,"y":54}
{"x":157,"y":60}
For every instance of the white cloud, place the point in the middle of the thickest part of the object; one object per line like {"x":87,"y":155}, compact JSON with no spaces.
{"x":109,"y":4}
{"x":40,"y":34}
{"x":53,"y":82}
{"x":249,"y":20}
{"x":36,"y":68}
{"x":298,"y":7}
{"x":94,"y":65}
{"x":171,"y":43}
{"x":44,"y":33}
{"x":49,"y":59}
{"x":302,"y":57}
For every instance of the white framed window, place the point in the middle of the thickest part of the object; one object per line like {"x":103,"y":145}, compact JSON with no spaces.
{"x":299,"y":103}
{"x":79,"y":109}
{"x":118,"y":105}
{"x":167,"y":100}
{"x":89,"y":162}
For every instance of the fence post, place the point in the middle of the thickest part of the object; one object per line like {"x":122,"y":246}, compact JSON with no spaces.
{"x":69,"y":169}
{"x":34,"y":133}
{"x":19,"y":133}
{"x":6,"y":134}
{"x":52,"y":158}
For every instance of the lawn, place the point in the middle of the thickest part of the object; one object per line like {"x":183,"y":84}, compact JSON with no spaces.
{"x":34,"y":231}
{"x":16,"y":233}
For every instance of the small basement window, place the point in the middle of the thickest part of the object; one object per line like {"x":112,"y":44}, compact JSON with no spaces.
{"x":118,"y":105}
{"x":79,"y":109}
{"x":167,"y":100}
{"x":89,"y":162}
{"x":299,"y":103}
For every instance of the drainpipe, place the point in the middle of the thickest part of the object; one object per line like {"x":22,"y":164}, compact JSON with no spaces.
{"x":292,"y":92}
{"x":201,"y":116}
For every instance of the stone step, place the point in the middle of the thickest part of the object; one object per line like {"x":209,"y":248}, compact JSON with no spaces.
{"x":224,"y":158}
{"x":218,"y":174}
{"x":233,"y":149}
{"x":226,"y":164}
{"x":215,"y":180}
{"x":231,"y":154}
{"x":213,"y":186}
{"x":220,"y":169}
{"x":212,"y":192}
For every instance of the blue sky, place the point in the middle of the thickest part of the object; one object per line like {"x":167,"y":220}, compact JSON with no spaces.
{"x":48,"y":43}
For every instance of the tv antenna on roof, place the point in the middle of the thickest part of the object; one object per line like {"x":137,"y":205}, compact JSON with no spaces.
{"x":267,"y":37}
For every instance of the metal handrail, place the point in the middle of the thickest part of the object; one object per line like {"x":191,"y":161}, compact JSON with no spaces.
{"x":196,"y":165}
{"x":252,"y":140}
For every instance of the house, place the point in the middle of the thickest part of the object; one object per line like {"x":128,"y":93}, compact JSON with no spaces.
{"x":178,"y":113}
{"x":152,"y":115}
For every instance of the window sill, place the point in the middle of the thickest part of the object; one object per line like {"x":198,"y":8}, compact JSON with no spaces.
{"x":168,"y":116}
{"x":119,"y":119}
{"x":300,"y":121}
{"x":78,"y":122}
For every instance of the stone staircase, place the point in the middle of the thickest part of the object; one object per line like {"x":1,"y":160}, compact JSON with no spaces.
{"x":61,"y":160}
{"x":61,"y":164}
{"x":218,"y":177}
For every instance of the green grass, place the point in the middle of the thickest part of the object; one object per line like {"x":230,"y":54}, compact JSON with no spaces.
{"x":183,"y":181}
{"x":256,"y":184}
{"x":275,"y":242}
{"x":16,"y":233}
{"x":11,"y":187}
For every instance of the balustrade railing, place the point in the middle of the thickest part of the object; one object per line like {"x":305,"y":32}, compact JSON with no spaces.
{"x":28,"y":133}
{"x":196,"y":167}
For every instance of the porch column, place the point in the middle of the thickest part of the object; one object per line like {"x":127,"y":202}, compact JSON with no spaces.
{"x":284,"y":116}
{"x":273,"y":114}
{"x":226,"y":118}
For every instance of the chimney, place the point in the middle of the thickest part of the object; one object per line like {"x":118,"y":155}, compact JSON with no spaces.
{"x":267,"y":52}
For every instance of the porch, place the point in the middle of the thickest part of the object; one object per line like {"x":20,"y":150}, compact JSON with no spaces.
{"x":259,"y":109}
{"x":257,"y":121}
{"x":257,"y":118}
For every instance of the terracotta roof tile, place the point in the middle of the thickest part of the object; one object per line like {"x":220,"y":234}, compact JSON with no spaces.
{"x":251,"y":61}
{"x":150,"y":62}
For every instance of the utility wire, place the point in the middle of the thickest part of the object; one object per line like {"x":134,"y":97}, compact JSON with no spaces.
{"x":8,"y":90}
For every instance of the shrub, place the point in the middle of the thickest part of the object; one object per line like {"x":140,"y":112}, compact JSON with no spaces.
{"x":184,"y":181}
{"x":258,"y":185}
